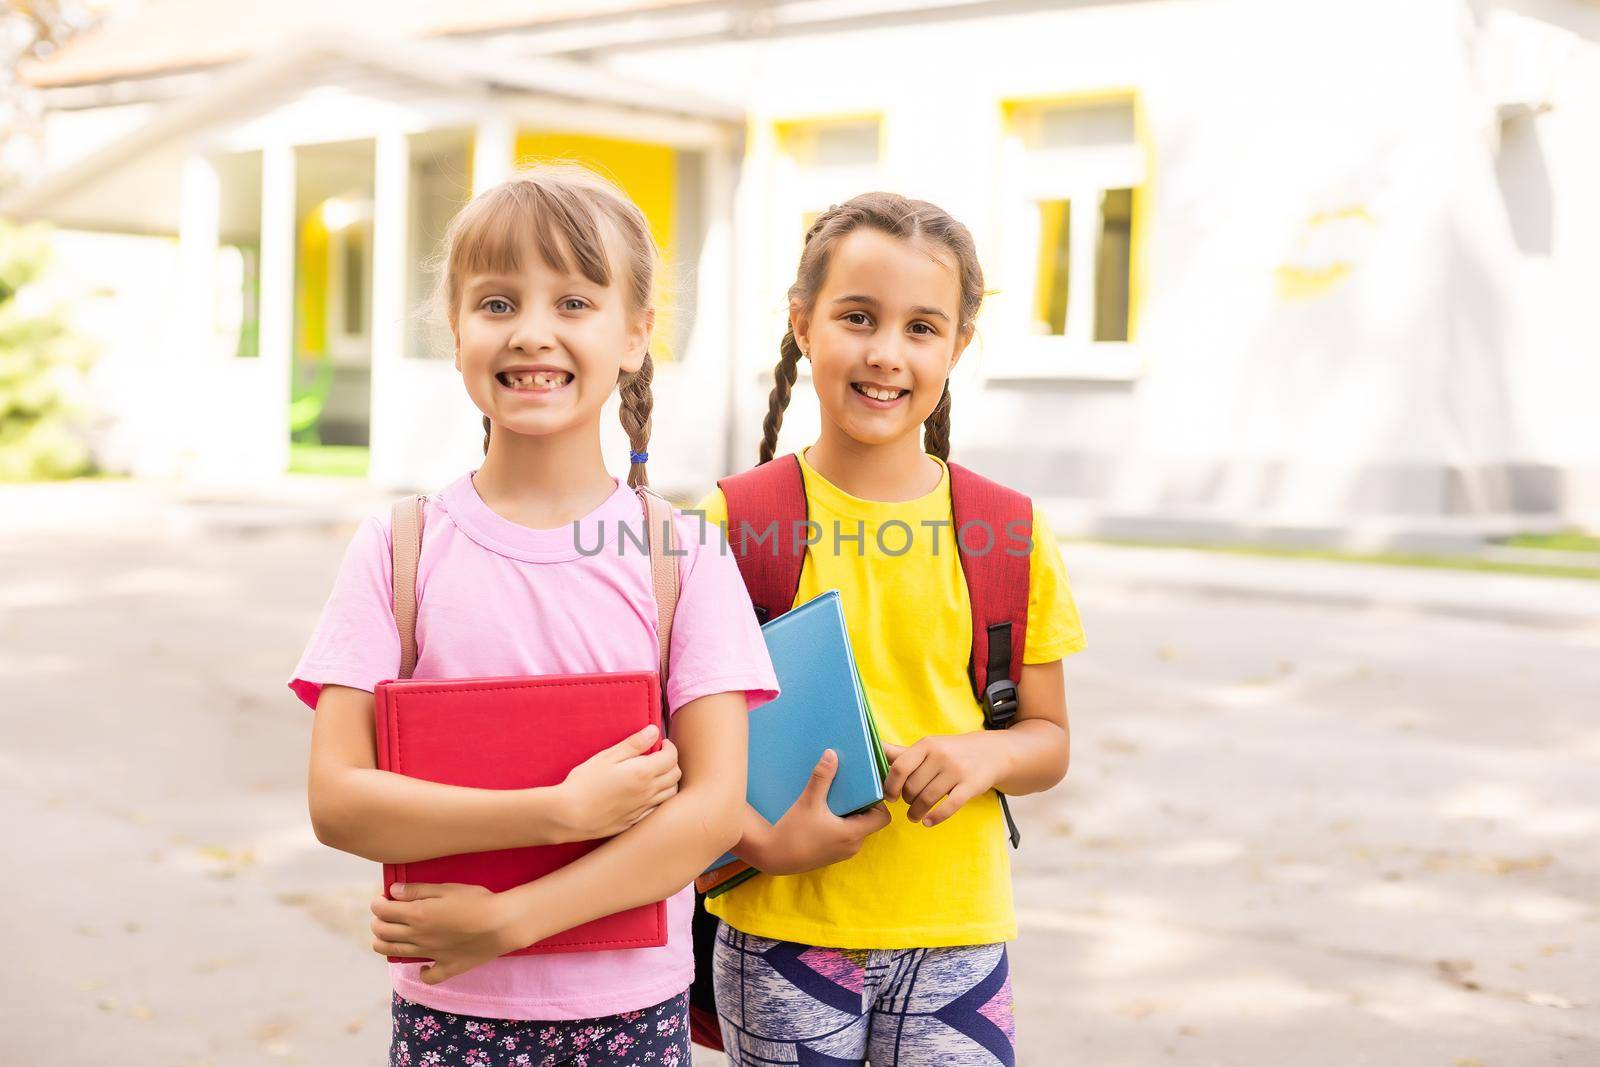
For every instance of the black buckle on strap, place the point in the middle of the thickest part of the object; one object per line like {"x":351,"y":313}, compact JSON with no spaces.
{"x":999,"y":704}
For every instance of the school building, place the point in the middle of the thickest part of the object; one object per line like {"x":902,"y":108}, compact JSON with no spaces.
{"x":1325,"y":267}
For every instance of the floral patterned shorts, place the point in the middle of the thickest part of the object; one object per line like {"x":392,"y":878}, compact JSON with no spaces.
{"x":658,"y":1037}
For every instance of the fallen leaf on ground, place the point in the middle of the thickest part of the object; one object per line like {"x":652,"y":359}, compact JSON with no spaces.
{"x":1511,"y":865}
{"x":271,"y":1030}
{"x":226,"y":863}
{"x":1455,"y":971}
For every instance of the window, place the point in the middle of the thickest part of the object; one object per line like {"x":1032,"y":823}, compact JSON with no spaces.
{"x":355,"y":281}
{"x":1113,"y":265}
{"x":347,"y":219}
{"x":831,"y":145}
{"x":1051,"y":288}
{"x":1071,"y":177}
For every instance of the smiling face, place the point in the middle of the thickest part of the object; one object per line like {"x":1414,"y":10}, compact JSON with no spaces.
{"x":882,"y":333}
{"x":539,"y":346}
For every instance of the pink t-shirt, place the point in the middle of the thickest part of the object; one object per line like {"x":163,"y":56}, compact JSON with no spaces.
{"x":499,"y":599}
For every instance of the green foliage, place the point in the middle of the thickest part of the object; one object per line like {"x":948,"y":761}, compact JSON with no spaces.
{"x":41,"y":369}
{"x":1564,"y":541}
{"x":344,"y":461}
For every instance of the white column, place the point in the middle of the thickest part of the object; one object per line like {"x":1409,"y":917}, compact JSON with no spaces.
{"x":718,"y":298}
{"x":391,"y":215}
{"x":758,"y":303}
{"x":193,"y":366}
{"x":494,"y":150}
{"x":198,"y":224}
{"x":277,"y":298}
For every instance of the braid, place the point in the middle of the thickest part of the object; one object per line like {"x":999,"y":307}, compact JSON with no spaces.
{"x":486,"y":435}
{"x":783,"y":376}
{"x":936,"y":428}
{"x":635,"y":415}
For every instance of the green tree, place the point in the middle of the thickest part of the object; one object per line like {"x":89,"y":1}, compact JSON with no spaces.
{"x":41,"y":368}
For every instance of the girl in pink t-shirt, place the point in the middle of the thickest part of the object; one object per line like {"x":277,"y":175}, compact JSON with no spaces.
{"x":524,"y":571}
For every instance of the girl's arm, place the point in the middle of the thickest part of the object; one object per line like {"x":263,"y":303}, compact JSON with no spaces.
{"x":462,"y":926}
{"x":1029,"y":757}
{"x":391,"y":818}
{"x":1040,"y":741}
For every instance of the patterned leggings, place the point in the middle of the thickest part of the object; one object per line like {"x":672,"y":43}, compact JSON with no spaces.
{"x":657,"y":1037}
{"x":782,"y":1003}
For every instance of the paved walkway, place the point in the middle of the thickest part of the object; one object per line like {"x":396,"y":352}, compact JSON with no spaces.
{"x":1302,"y":825}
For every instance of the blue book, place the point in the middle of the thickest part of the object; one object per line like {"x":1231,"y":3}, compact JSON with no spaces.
{"x":821,"y":706}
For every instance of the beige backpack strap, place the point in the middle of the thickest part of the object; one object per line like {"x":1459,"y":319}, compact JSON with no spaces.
{"x":406,"y":529}
{"x":663,"y":540}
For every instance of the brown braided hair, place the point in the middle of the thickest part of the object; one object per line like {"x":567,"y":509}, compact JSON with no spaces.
{"x":635,"y":414}
{"x":899,"y":217}
{"x":563,"y":212}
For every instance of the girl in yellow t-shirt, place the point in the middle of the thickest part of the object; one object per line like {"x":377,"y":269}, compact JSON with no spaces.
{"x":883,"y":935}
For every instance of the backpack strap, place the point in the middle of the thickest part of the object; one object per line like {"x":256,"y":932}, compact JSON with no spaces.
{"x":662,"y":537}
{"x":404,"y":552}
{"x":988,"y":518}
{"x":766,"y":513}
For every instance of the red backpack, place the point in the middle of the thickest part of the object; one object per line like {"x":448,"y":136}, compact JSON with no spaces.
{"x":767,"y":515}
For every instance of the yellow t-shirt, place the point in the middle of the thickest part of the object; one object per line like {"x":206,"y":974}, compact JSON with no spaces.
{"x":910,"y":626}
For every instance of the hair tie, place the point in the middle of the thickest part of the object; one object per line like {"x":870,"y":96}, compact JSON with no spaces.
{"x":639,"y":457}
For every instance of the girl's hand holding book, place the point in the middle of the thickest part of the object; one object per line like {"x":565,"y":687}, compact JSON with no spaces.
{"x":810,"y":835}
{"x":952,"y":768}
{"x":456,"y":926}
{"x":615,"y":788}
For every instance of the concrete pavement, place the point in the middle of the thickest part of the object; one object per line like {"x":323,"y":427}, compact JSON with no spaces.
{"x":1306,"y":827}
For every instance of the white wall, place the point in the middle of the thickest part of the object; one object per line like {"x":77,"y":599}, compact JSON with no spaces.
{"x":1444,"y":348}
{"x":1448,"y":372}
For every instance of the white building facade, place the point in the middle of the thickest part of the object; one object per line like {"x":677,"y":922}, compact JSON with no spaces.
{"x":1254,"y":266}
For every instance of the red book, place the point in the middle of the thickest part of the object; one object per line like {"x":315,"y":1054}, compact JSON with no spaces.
{"x":517,"y":733}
